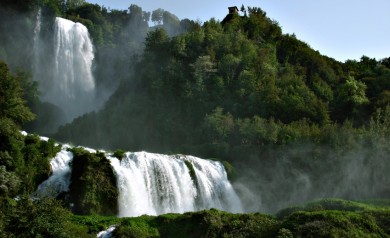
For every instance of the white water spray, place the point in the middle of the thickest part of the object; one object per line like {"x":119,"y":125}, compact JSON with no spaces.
{"x":63,"y":67}
{"x":155,"y":184}
{"x":107,"y":233}
{"x":73,"y":58}
{"x":59,"y":181}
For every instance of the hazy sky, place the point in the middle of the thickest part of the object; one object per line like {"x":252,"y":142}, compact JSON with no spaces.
{"x":341,"y":29}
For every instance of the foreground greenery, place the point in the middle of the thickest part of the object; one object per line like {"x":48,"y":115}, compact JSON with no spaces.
{"x":323,"y":218}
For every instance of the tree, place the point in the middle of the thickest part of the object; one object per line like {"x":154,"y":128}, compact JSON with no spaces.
{"x":155,"y":39}
{"x":13,"y":109}
{"x":9,"y":182}
{"x":157,"y":16}
{"x":12,"y":104}
{"x":38,"y":218}
{"x":203,"y":68}
{"x":171,"y":23}
{"x":351,"y":97}
{"x":138,"y":18}
{"x":353,"y":92}
{"x":219,"y":125}
{"x":74,"y":3}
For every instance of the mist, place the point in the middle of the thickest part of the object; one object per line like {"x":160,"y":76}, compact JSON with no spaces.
{"x":299,"y":173}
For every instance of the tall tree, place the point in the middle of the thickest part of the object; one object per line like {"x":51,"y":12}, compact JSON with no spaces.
{"x":12,"y":104}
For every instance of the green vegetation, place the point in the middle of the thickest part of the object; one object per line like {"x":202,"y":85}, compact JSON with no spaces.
{"x":24,"y":164}
{"x":323,"y":218}
{"x":119,"y":154}
{"x":93,"y":184}
{"x":191,"y":169}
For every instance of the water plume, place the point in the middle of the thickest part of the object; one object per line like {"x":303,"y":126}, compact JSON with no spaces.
{"x":63,"y":67}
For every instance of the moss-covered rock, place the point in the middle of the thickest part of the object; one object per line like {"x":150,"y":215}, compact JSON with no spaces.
{"x":190,"y":167}
{"x":230,"y":171}
{"x":119,"y":154}
{"x":35,"y":167}
{"x":93,"y":184}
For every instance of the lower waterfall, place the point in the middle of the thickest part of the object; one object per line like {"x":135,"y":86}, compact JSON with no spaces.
{"x":60,"y":179}
{"x":155,"y":184}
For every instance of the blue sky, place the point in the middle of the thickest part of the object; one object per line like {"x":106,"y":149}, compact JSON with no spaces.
{"x":341,"y":29}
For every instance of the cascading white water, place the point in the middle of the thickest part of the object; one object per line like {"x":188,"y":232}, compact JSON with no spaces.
{"x":106,"y":233}
{"x":63,"y":67}
{"x":73,"y":58}
{"x":155,"y":184}
{"x":59,"y":181}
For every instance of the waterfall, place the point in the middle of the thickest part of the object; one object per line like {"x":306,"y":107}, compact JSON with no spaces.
{"x":63,"y":66}
{"x":37,"y":32}
{"x":155,"y":184}
{"x":73,"y":58}
{"x":59,"y":181}
{"x":106,"y":233}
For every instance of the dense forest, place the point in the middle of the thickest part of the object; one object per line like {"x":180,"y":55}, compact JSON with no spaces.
{"x":295,"y":125}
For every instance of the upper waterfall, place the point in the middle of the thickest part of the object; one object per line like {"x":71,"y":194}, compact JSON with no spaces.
{"x":63,"y":67}
{"x":73,"y":58}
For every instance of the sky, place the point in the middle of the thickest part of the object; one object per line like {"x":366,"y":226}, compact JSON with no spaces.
{"x":341,"y":29}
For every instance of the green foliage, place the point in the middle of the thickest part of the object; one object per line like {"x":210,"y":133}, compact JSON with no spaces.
{"x":219,"y":125}
{"x":331,"y":204}
{"x":93,"y":224}
{"x":156,"y":40}
{"x":93,"y":184}
{"x":354,"y":219}
{"x":12,"y":104}
{"x":230,"y":171}
{"x":353,"y":92}
{"x":136,"y":228}
{"x":210,"y":223}
{"x":119,"y":154}
{"x":335,"y":218}
{"x":39,"y":218}
{"x":333,"y":224}
{"x":379,"y":125}
{"x":37,"y":154}
{"x":9,"y":182}
{"x":371,"y":221}
{"x":24,"y":160}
